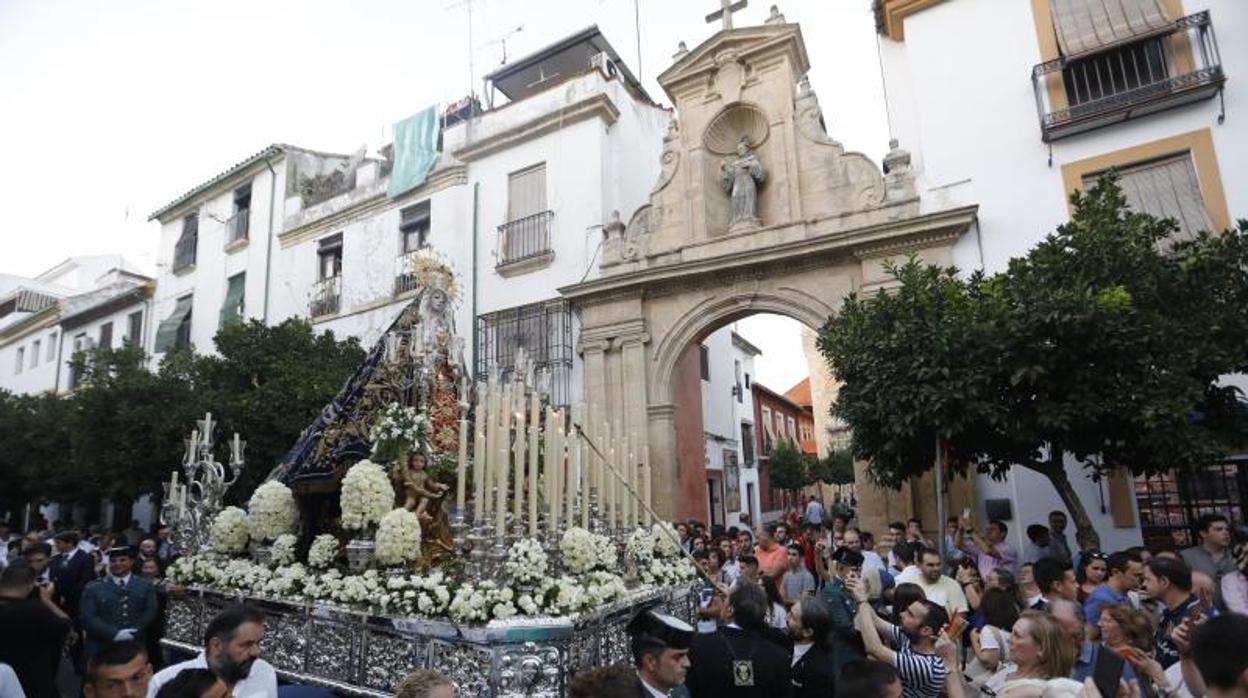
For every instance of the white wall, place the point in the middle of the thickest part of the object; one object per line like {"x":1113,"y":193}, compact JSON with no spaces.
{"x":31,"y":379}
{"x":966,"y":111}
{"x":119,"y":318}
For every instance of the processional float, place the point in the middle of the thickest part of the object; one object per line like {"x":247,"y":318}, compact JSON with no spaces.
{"x":365,"y":568}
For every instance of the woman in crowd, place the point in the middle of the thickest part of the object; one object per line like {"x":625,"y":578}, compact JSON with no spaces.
{"x":1093,"y":567}
{"x":777,"y":616}
{"x":1043,"y":658}
{"x":151,"y":569}
{"x":1124,"y":629}
{"x":990,"y":644}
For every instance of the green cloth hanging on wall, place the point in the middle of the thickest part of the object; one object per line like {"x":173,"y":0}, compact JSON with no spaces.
{"x":167,"y":333}
{"x":415,"y":151}
{"x":231,"y":308}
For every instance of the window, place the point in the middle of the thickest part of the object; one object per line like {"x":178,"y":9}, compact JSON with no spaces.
{"x":34,"y":352}
{"x":736,"y":370}
{"x":329,"y":257}
{"x":1114,"y":72}
{"x":747,"y":381}
{"x":414,"y":225}
{"x":238,"y":227}
{"x":185,"y":249}
{"x":780,"y":434}
{"x":526,"y":233}
{"x":51,"y":347}
{"x":106,"y":335}
{"x":81,"y":344}
{"x":21,"y":360}
{"x":134,"y":328}
{"x":1167,"y":188}
{"x":792,"y":428}
{"x":175,"y":331}
{"x":232,"y":308}
{"x":704,"y":362}
{"x":542,"y":330}
{"x":747,"y":443}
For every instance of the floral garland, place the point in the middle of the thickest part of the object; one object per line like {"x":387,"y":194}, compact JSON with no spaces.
{"x":283,"y":551}
{"x":398,"y":538}
{"x":271,"y":511}
{"x":366,"y":496}
{"x":323,"y":551}
{"x":229,"y":531}
{"x":399,"y":429}
{"x":585,"y":552}
{"x":526,"y":563}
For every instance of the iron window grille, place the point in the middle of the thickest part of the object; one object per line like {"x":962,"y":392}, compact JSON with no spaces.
{"x":1170,"y":505}
{"x":414,"y":227}
{"x":1148,"y":74}
{"x":184,"y":250}
{"x":326,"y":297}
{"x":543,"y":330}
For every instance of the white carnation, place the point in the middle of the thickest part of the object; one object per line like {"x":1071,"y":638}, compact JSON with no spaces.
{"x":283,"y":552}
{"x":323,"y":551}
{"x":271,"y":511}
{"x":398,"y":538}
{"x":366,"y":496}
{"x":229,"y":531}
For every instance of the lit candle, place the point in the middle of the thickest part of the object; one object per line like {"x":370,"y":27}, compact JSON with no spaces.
{"x":535,"y":419}
{"x":518,"y":477}
{"x":548,"y":466}
{"x":478,"y":459}
{"x":569,"y":475}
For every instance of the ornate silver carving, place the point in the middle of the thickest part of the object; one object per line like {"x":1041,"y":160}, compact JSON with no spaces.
{"x":332,"y":650}
{"x":469,"y":666}
{"x":530,"y":670}
{"x":389,"y":657}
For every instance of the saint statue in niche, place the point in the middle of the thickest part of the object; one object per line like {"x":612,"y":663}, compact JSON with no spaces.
{"x":740,"y":178}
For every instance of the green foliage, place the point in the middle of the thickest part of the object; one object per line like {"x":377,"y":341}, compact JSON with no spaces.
{"x":121,"y":431}
{"x":836,"y":469}
{"x":1106,"y":341}
{"x":789,"y":467}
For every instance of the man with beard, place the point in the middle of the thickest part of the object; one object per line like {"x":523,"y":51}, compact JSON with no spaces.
{"x":922,"y":669}
{"x":232,"y":650}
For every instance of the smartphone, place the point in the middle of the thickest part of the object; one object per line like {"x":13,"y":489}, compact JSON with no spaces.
{"x":966,"y":513}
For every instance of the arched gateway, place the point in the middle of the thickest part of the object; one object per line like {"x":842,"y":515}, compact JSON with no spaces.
{"x":756,"y":209}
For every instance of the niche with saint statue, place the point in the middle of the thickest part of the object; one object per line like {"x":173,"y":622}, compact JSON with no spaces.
{"x":736,"y":170}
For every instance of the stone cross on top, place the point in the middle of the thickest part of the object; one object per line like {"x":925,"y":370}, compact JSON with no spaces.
{"x":726,"y":8}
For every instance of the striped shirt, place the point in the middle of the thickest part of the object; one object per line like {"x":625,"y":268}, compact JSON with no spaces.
{"x":922,"y":675}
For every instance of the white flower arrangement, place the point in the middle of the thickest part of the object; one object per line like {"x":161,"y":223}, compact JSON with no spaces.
{"x":665,"y":540}
{"x":323,"y":551}
{"x":482,"y":602}
{"x":399,"y":429}
{"x":196,"y":570}
{"x":398,"y":538}
{"x":271,"y":511}
{"x":366,"y":496}
{"x":526,"y":563}
{"x":229,"y":534}
{"x":283,"y":552}
{"x":584,"y":551}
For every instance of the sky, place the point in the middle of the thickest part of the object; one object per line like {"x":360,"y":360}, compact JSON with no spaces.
{"x":111,"y":108}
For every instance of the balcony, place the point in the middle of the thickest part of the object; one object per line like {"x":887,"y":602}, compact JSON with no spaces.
{"x":1175,"y":65}
{"x":184,"y":253}
{"x":237,"y":228}
{"x":524,"y":244}
{"x":326,"y":297}
{"x":405,"y":271}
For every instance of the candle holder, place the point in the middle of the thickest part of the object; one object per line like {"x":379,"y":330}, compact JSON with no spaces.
{"x":478,"y":539}
{"x":207,"y":481}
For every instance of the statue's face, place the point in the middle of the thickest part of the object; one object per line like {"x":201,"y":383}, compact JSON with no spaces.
{"x":743,"y":148}
{"x":416,"y":461}
{"x":437,"y":301}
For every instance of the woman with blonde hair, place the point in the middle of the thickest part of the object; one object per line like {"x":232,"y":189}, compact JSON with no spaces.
{"x":1041,"y":660}
{"x":1123,"y":628}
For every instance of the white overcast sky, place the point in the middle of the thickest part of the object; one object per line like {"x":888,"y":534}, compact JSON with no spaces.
{"x":111,"y":108}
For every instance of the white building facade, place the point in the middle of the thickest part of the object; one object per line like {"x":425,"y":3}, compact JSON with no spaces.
{"x":1013,"y":105}
{"x":728,"y":427}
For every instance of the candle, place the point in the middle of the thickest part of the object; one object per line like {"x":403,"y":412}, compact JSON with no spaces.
{"x":630,"y":479}
{"x":237,"y":448}
{"x":569,"y":475}
{"x":490,"y":418}
{"x":647,"y":493}
{"x":535,"y":418}
{"x":504,"y":446}
{"x":556,"y":473}
{"x":478,"y":458}
{"x":518,"y":478}
{"x":461,"y":466}
{"x":173,"y":486}
{"x":583,"y":459}
{"x":548,"y":464}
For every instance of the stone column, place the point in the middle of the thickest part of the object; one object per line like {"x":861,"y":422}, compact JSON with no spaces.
{"x":634,"y":385}
{"x":661,"y":435}
{"x":593,"y":355}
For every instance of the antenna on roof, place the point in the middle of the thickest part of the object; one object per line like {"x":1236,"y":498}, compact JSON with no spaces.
{"x":503,"y":40}
{"x":472,"y":77}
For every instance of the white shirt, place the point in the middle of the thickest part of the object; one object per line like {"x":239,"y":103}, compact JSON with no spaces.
{"x":799,"y":650}
{"x":651,"y":690}
{"x":261,"y":681}
{"x":10,"y":687}
{"x":910,"y":575}
{"x":123,"y":581}
{"x":872,"y":559}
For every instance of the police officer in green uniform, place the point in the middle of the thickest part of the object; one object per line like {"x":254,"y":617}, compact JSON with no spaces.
{"x":119,"y":606}
{"x":846,"y":645}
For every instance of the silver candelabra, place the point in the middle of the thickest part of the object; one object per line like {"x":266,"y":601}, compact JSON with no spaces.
{"x":190,"y":506}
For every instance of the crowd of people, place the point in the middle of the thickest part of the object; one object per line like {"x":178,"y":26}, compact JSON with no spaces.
{"x":805,"y":606}
{"x":798,"y":608}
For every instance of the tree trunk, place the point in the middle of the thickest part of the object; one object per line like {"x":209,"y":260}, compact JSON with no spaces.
{"x":1086,"y":537}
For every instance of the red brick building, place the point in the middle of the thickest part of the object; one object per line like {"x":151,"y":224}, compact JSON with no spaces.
{"x":777,"y":417}
{"x":800,"y":396}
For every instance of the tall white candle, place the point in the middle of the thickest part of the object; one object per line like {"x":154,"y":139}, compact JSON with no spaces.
{"x":630,"y":478}
{"x":491,"y":445}
{"x":569,"y":476}
{"x":535,"y":418}
{"x":504,"y":448}
{"x":646,"y":485}
{"x":548,"y":473}
{"x":517,"y":508}
{"x":479,"y":459}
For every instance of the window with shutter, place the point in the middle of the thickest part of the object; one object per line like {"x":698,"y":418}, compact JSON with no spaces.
{"x":1165,"y":188}
{"x":134,"y":328}
{"x":106,"y":335}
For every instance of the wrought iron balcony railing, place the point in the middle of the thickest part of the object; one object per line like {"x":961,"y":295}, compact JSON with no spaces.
{"x":405,"y":271}
{"x":184,"y":252}
{"x":238,"y":226}
{"x":524,"y":238}
{"x":1175,"y":65}
{"x":326,"y":297}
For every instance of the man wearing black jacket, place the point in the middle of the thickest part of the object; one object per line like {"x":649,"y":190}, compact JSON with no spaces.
{"x":809,"y":626}
{"x":72,"y":569}
{"x":738,"y":661}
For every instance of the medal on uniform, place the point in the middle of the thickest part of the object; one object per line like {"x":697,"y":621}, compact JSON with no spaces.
{"x":742,"y":672}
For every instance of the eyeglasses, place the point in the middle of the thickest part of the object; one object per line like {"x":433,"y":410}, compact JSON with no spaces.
{"x":1096,"y":555}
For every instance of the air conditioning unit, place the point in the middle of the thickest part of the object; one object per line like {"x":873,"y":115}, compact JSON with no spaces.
{"x":602,"y":62}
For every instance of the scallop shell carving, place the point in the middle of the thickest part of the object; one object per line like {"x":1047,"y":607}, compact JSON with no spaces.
{"x":736,"y":120}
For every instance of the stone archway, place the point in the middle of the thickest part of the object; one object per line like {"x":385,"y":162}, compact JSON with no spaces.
{"x":825,"y":223}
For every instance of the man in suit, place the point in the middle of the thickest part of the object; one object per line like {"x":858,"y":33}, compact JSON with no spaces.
{"x":119,"y":606}
{"x":660,"y":646}
{"x":72,"y":569}
{"x":738,"y":660}
{"x":809,"y":625}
